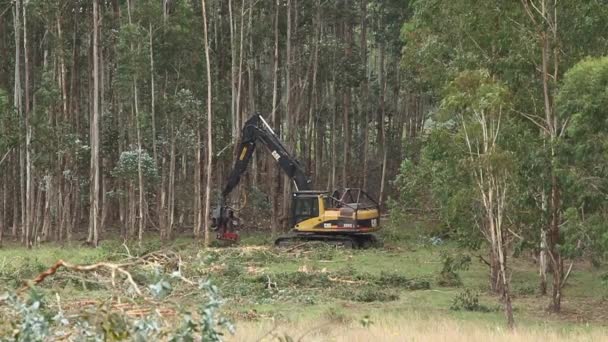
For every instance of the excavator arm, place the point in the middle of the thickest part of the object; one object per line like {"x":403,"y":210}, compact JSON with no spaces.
{"x":255,"y":131}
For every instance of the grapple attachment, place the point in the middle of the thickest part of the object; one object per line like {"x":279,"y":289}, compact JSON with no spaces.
{"x":225,"y":223}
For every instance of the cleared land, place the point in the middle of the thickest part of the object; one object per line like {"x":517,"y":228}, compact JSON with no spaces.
{"x":317,"y":292}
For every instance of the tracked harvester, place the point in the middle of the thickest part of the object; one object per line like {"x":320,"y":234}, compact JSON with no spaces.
{"x":346,"y":217}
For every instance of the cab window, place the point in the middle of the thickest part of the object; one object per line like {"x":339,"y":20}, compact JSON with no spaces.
{"x":305,"y":208}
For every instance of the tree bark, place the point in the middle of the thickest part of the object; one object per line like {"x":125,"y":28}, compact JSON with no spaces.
{"x":288,"y":134}
{"x":365,"y":93}
{"x":209,"y":128}
{"x":95,"y":175}
{"x":29,"y":187}
{"x":273,"y":170}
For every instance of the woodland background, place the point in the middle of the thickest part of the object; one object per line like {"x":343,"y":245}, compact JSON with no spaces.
{"x":486,"y":116}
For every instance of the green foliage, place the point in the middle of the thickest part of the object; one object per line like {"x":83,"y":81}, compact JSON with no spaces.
{"x":32,"y":321}
{"x":438,"y":184}
{"x":259,"y":200}
{"x":128,"y":166}
{"x":209,"y":322}
{"x":585,"y":235}
{"x":451,"y":265}
{"x":468,"y":300}
{"x":582,"y":102}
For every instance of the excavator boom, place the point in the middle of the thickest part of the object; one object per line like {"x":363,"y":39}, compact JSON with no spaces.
{"x":255,"y":131}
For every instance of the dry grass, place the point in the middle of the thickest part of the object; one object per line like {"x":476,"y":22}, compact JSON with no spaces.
{"x":407,"y":329}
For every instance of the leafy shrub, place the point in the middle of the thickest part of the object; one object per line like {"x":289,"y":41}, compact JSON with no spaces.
{"x":451,"y":265}
{"x":30,"y":320}
{"x":397,"y":280}
{"x":468,"y":301}
{"x":373,"y":294}
{"x":301,"y":279}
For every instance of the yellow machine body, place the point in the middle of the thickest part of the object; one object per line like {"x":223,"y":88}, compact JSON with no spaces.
{"x":320,"y":213}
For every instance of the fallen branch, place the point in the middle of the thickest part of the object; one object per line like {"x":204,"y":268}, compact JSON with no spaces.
{"x":345,"y":281}
{"x":294,"y":247}
{"x":84,"y":268}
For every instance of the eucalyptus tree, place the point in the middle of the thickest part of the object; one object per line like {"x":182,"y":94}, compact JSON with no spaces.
{"x":480,"y":104}
{"x":582,"y":100}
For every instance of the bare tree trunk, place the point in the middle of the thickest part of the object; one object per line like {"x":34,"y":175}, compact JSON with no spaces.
{"x":347,"y":28}
{"x":196,"y":207}
{"x":251,"y":88}
{"x":240,"y":75}
{"x":273,"y":170}
{"x":209,"y":129}
{"x":543,"y":16}
{"x":332,"y":136}
{"x":289,"y":135}
{"x":381,"y":132}
{"x":17,"y":103}
{"x":3,"y":206}
{"x":16,"y":196}
{"x":542,"y":261}
{"x":140,"y":174}
{"x":314,"y":95}
{"x":365,"y":93}
{"x":29,"y":187}
{"x":235,"y":121}
{"x":171,"y":204}
{"x":95,"y":175}
{"x":152,"y":97}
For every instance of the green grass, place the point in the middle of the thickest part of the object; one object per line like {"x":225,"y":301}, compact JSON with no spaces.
{"x":316,"y":283}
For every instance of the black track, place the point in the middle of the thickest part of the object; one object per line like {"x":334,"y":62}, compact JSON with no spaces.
{"x":363,"y":241}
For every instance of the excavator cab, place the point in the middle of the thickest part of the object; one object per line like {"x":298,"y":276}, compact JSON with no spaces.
{"x":306,"y":205}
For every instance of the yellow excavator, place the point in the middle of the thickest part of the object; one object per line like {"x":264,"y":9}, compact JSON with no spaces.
{"x":347,"y":217}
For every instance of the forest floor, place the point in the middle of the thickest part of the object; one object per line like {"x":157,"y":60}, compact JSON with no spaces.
{"x":318,"y":292}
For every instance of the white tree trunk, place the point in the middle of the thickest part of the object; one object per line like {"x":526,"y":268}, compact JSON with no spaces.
{"x":209,"y":128}
{"x":94,"y":197}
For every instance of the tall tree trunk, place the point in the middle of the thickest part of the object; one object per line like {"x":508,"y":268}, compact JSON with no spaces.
{"x":288,"y":134}
{"x":542,"y":259}
{"x":251,"y":88}
{"x":18,"y":104}
{"x":29,"y":186}
{"x":95,"y":174}
{"x":347,"y":29}
{"x":233,"y":76}
{"x":365,"y":93}
{"x":3,"y":206}
{"x":209,"y":128}
{"x":16,"y":196}
{"x":381,"y":132}
{"x":543,"y":16}
{"x":273,"y":170}
{"x":152,"y":96}
{"x":197,"y":208}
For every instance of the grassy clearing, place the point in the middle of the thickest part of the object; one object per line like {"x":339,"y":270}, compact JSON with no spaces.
{"x":409,"y":328}
{"x":395,"y":288}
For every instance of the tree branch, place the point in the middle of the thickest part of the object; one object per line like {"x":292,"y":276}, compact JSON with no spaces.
{"x":84,"y":268}
{"x":567,"y":275}
{"x":5,"y":155}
